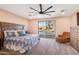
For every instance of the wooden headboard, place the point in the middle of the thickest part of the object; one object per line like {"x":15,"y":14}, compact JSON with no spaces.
{"x":8,"y":26}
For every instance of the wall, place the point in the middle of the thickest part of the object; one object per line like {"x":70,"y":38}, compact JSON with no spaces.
{"x":74,"y":20}
{"x":11,"y":18}
{"x":33,"y":26}
{"x":62,"y":24}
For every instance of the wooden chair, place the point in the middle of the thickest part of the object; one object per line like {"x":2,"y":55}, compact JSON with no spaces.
{"x":64,"y":38}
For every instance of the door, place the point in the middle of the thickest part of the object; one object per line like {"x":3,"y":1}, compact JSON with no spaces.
{"x":46,"y":29}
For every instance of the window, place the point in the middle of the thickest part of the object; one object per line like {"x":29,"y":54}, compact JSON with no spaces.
{"x":46,"y":29}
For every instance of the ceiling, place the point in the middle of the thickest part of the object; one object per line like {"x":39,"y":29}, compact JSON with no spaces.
{"x":24,"y":9}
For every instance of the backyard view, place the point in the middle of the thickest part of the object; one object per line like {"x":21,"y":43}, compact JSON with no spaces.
{"x":47,"y":29}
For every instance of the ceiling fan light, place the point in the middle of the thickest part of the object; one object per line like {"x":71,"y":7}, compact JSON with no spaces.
{"x":63,"y":13}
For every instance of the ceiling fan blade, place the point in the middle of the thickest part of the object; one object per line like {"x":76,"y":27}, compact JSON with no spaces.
{"x":32,"y":12}
{"x":34,"y":9}
{"x":47,"y":14}
{"x":40,"y":7}
{"x":48,"y":8}
{"x":49,"y":11}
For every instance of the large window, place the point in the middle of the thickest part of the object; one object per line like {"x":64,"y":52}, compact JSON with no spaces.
{"x":47,"y":29}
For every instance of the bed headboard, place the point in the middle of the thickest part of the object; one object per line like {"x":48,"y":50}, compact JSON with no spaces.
{"x":8,"y":26}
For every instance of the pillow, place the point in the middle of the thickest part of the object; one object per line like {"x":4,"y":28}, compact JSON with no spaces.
{"x":9,"y":33}
{"x":21,"y":33}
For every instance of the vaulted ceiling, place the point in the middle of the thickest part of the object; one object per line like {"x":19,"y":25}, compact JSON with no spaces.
{"x":24,"y":10}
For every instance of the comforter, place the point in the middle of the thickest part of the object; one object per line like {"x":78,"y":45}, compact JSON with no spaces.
{"x":21,"y":43}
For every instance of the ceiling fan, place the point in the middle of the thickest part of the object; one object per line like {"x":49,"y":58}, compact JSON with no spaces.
{"x":45,"y":12}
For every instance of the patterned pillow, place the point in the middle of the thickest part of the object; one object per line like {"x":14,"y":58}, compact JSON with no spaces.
{"x":10,"y":33}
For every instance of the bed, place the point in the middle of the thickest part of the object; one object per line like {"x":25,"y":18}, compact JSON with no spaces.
{"x":12,"y":39}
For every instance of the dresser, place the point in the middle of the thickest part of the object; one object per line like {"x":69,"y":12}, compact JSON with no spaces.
{"x":74,"y":35}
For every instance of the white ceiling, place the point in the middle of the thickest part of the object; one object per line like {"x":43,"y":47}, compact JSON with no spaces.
{"x":23,"y":9}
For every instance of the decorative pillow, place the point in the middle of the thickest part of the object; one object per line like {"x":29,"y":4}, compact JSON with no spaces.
{"x":21,"y":33}
{"x":10,"y":33}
